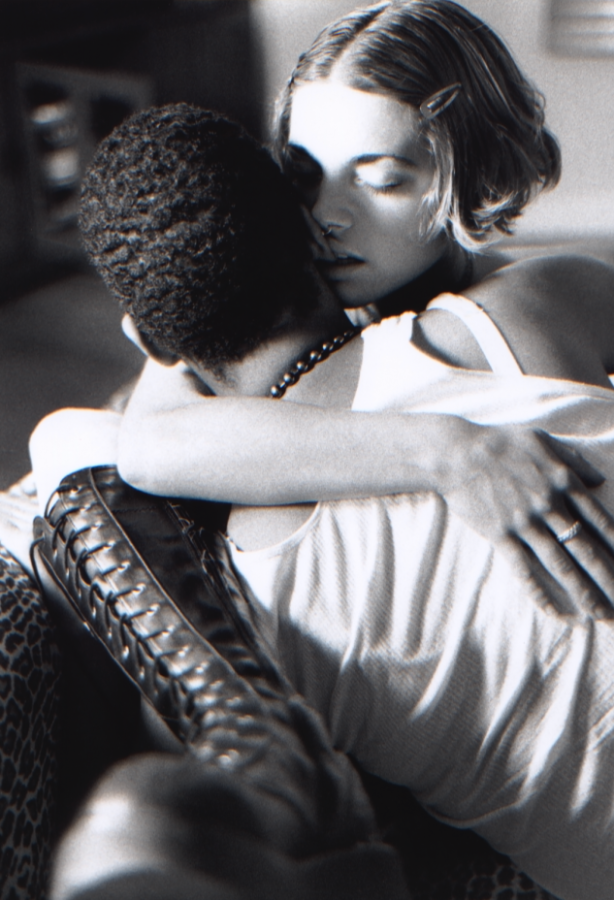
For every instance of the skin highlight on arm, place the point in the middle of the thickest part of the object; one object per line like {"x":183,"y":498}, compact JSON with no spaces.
{"x":250,"y":450}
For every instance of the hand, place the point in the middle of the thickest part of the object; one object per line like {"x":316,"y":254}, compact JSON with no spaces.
{"x":521,"y":489}
{"x":18,"y":507}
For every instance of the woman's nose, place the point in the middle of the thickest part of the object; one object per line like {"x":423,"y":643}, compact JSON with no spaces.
{"x":332,"y":210}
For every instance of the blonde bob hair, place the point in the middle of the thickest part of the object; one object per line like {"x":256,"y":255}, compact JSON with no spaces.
{"x":491,"y":149}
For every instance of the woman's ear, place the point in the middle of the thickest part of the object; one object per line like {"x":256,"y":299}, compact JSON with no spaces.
{"x":145,"y":344}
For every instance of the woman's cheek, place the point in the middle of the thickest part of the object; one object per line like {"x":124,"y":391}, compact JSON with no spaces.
{"x":396,"y":219}
{"x":402,"y":205}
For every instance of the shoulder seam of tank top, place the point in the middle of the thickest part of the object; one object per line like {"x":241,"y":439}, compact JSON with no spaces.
{"x":490,"y":339}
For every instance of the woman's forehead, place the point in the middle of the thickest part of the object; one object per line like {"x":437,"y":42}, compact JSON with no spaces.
{"x":336,"y":123}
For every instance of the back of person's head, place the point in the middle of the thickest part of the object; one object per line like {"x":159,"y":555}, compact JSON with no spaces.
{"x":196,"y":231}
{"x":490,"y":146}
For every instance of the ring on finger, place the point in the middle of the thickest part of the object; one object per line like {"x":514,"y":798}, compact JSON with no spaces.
{"x":570,"y":533}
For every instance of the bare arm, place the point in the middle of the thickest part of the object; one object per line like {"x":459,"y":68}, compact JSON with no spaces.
{"x":502,"y":481}
{"x":176,"y":441}
{"x":256,"y":452}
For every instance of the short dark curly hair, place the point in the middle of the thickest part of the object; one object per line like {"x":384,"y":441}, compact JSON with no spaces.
{"x":195,"y":230}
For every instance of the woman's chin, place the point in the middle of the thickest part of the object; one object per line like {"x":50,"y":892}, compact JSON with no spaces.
{"x":351,"y":293}
{"x":357,"y":286}
{"x":353,"y":297}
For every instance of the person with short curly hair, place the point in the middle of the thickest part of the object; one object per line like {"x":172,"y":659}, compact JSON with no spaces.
{"x":177,"y":218}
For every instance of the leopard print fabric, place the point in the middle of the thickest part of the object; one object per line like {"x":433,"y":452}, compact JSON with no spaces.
{"x":492,"y":878}
{"x":29,"y":690}
{"x":444,"y":863}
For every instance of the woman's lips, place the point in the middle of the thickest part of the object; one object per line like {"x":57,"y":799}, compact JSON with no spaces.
{"x":341,"y":263}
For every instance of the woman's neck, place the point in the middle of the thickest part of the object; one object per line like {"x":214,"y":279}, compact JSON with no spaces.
{"x":452,"y":273}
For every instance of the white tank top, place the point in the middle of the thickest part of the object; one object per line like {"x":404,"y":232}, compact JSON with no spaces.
{"x":492,"y":343}
{"x":430,"y":661}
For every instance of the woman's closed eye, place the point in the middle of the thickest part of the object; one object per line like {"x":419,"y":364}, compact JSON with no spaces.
{"x":383,"y":175}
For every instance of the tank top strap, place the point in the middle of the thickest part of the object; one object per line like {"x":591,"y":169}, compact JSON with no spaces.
{"x":492,"y":343}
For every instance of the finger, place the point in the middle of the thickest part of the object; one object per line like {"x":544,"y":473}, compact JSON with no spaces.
{"x":585,"y":547}
{"x":18,"y":543}
{"x":17,"y":518}
{"x":588,"y":474}
{"x":17,"y":524}
{"x":597,"y":563}
{"x":593,"y":513}
{"x":17,"y":505}
{"x":537,"y":583}
{"x":585,"y":593}
{"x":26,"y":487}
{"x":592,"y":547}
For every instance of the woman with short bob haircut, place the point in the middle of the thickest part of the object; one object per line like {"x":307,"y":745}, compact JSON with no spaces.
{"x":483,"y":122}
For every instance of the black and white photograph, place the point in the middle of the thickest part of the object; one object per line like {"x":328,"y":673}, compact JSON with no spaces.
{"x":307,"y":450}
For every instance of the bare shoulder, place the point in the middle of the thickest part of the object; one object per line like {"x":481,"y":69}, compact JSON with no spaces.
{"x":486,"y":264}
{"x":546,"y":285}
{"x":557,"y":313}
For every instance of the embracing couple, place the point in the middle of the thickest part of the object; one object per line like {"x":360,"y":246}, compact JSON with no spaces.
{"x":450,"y":624}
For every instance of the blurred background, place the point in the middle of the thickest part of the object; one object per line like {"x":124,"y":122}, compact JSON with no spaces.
{"x":70,"y":70}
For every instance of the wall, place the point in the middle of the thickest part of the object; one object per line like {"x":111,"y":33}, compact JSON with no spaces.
{"x":201,"y":52}
{"x":579,"y":93}
{"x":284,"y":29}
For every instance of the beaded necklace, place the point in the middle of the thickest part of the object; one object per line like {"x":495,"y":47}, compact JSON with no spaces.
{"x":310,"y":360}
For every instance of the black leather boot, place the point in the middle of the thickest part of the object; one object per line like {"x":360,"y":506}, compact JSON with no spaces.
{"x":260,"y":805}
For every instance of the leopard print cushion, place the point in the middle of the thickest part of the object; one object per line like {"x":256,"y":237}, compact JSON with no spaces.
{"x":493,"y":878}
{"x":444,"y":863}
{"x":29,"y":689}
